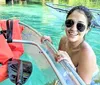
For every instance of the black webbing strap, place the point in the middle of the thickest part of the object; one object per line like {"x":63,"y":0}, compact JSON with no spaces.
{"x":8,"y":33}
{"x":3,"y":32}
{"x":9,"y":24}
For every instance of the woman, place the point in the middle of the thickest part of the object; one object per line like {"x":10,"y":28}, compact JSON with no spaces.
{"x":74,"y":48}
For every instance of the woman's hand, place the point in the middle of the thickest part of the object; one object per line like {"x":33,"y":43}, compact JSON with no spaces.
{"x":63,"y":55}
{"x":43,"y":38}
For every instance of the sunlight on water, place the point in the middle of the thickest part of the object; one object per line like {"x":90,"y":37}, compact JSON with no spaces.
{"x":43,"y":21}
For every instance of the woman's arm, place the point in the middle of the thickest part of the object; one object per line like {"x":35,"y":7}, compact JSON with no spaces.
{"x":62,"y":55}
{"x":87,"y":65}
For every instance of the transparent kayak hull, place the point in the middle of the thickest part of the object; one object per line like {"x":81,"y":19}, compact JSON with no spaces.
{"x":45,"y":70}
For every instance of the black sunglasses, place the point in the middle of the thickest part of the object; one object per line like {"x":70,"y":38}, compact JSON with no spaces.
{"x":70,"y":23}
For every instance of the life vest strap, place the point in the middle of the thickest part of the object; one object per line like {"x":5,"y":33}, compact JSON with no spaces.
{"x":3,"y":32}
{"x":9,"y":24}
{"x":8,"y":33}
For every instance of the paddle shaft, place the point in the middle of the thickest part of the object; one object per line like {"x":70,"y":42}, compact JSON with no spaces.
{"x":20,"y":74}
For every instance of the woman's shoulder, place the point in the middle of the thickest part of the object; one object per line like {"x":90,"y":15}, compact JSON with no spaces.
{"x":86,"y":50}
{"x":86,"y":47}
{"x":62,"y":43}
{"x":63,"y":37}
{"x":88,"y":57}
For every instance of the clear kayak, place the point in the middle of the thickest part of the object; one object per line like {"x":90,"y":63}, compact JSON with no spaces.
{"x":45,"y":70}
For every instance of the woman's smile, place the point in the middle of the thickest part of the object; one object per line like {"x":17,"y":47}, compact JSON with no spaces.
{"x":72,"y":33}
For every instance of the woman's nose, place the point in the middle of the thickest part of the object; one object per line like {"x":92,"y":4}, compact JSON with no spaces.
{"x":74,"y":27}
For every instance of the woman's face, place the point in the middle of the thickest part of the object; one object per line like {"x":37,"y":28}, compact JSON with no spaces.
{"x":76,"y":26}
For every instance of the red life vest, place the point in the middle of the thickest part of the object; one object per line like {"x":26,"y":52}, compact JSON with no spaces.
{"x":9,"y":50}
{"x":17,"y":48}
{"x":5,"y":55}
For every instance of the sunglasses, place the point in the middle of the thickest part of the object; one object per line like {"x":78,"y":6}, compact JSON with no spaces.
{"x":70,"y":23}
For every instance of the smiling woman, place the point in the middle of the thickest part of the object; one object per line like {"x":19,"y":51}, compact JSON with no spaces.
{"x":78,"y":23}
{"x":73,"y":46}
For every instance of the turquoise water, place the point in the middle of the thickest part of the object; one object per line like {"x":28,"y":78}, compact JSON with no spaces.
{"x":40,"y":18}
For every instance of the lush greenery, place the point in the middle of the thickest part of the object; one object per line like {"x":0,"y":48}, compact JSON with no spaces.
{"x":88,"y":3}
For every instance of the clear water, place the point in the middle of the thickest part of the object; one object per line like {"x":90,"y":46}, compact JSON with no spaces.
{"x":40,"y":18}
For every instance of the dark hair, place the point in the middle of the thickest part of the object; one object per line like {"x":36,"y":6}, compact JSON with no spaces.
{"x":85,"y":10}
